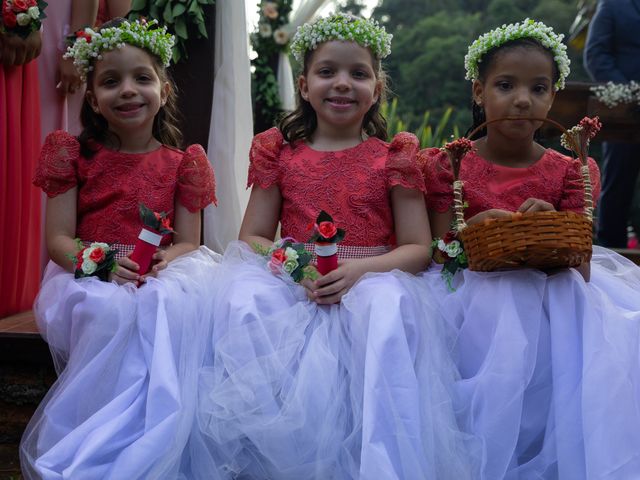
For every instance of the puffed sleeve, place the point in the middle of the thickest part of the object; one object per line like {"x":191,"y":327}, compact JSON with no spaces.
{"x":573,"y":193}
{"x":438,"y":179}
{"x":402,"y":167}
{"x":57,"y":167}
{"x":263,"y":158}
{"x":196,"y":187}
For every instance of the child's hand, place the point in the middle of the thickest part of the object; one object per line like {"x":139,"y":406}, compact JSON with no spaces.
{"x":535,"y":205}
{"x":160,"y":259}
{"x":125,"y":272}
{"x":330,"y":288}
{"x":489,"y":215}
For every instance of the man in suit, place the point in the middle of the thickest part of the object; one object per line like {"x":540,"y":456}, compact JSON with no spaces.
{"x":612,"y":54}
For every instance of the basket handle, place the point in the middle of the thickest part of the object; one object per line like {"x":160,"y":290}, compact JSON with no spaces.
{"x":458,"y":202}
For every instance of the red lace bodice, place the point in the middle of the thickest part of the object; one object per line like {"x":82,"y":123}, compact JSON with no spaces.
{"x":352,"y":185}
{"x":555,"y":178}
{"x":111,"y":185}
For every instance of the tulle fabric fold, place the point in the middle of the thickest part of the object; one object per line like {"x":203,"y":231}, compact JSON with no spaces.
{"x":128,"y":359}
{"x":356,"y":390}
{"x":549,"y":367}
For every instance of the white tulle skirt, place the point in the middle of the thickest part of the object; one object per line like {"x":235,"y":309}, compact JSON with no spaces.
{"x":359,"y":390}
{"x":550,"y":369}
{"x":128,"y":360}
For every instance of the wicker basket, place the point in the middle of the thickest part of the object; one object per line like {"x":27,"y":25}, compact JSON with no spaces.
{"x":527,"y":240}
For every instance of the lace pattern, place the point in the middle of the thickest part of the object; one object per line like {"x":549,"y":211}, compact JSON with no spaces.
{"x":351,"y":184}
{"x":56,"y":170}
{"x":554,"y":178}
{"x":112,"y":184}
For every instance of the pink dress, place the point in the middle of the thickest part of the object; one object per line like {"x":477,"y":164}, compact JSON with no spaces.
{"x":354,"y":390}
{"x":127,"y":357}
{"x":548,"y":363}
{"x":19,"y":202}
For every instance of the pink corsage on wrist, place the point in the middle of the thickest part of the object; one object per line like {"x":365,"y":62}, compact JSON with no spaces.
{"x":286,"y":256}
{"x":449,"y":252}
{"x":155,"y":226}
{"x":22,"y":17}
{"x":96,"y":260}
{"x":326,"y":237}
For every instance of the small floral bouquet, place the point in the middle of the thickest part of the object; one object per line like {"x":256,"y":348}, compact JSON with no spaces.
{"x":155,"y":226}
{"x":326,"y":237}
{"x":614,"y":94}
{"x":96,"y":260}
{"x":449,"y":251}
{"x":21,"y":17}
{"x":290,"y":257}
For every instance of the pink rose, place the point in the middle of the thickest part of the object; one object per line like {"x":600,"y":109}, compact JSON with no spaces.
{"x":327,"y":230}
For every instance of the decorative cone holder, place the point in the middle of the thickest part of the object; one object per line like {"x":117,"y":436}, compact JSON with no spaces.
{"x":146,"y":245}
{"x":326,"y":257}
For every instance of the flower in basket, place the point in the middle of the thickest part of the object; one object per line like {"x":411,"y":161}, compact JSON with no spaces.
{"x":21,"y":17}
{"x":449,"y":252}
{"x":96,"y":260}
{"x":288,"y":256}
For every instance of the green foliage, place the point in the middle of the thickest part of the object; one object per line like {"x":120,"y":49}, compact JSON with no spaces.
{"x":184,"y":18}
{"x":429,"y":133}
{"x":430,"y":42}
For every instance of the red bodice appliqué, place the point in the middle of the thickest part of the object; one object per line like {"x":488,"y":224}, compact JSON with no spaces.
{"x":111,"y":185}
{"x":352,"y":185}
{"x":554,"y":178}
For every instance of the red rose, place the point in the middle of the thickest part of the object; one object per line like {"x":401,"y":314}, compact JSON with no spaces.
{"x":9,"y":19}
{"x":32,"y":3}
{"x":278,"y":256}
{"x":19,"y":6}
{"x":87,"y":37}
{"x":166,"y":223}
{"x":79,"y":259}
{"x":327,"y":230}
{"x":450,"y":236}
{"x":97,"y":255}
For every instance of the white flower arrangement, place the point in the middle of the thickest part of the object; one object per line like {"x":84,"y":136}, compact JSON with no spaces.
{"x":526,"y":29}
{"x":343,"y":27}
{"x":614,"y":94}
{"x":90,"y":45}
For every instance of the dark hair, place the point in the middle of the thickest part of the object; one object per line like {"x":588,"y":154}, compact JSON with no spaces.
{"x":485,"y":64}
{"x":302,"y":122}
{"x":95,"y":129}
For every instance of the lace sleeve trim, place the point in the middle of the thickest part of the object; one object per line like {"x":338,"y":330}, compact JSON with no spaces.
{"x":402,"y":167}
{"x":196,"y":186}
{"x":56,"y":172}
{"x":438,"y":179}
{"x":263,"y":157}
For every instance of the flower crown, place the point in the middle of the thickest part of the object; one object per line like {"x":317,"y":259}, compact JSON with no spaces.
{"x":506,"y":33}
{"x":344,"y":27}
{"x":90,"y":44}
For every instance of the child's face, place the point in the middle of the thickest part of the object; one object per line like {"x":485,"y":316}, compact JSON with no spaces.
{"x":340,"y":84}
{"x":519,"y":83}
{"x":127,"y":91}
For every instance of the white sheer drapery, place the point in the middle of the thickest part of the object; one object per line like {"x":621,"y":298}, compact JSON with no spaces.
{"x":231,"y":127}
{"x":302,"y":12}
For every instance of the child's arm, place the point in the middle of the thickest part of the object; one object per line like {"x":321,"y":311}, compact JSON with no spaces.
{"x":60,"y":227}
{"x":260,"y":221}
{"x":412,"y":254}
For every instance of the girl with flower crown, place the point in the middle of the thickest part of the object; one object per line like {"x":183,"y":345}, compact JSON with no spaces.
{"x":124,"y":348}
{"x":343,"y":376}
{"x":549,"y":361}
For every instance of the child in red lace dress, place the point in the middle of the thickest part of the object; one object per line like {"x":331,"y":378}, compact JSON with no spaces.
{"x":123,"y":403}
{"x":545,"y":359}
{"x":345,"y":377}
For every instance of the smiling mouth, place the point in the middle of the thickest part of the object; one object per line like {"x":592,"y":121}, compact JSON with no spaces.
{"x":130,"y":107}
{"x":340,"y":102}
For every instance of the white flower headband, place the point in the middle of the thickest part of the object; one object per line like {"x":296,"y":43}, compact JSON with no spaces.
{"x":340,"y":26}
{"x":90,"y":44}
{"x":506,"y":33}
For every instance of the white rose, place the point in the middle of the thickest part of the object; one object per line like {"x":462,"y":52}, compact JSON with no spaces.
{"x":442,"y":246}
{"x":23,"y":19}
{"x":453,"y":249}
{"x":88,"y":266}
{"x":34,"y":12}
{"x":264,"y":30}
{"x":280,"y":37}
{"x":291,"y":254}
{"x":290,"y":265}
